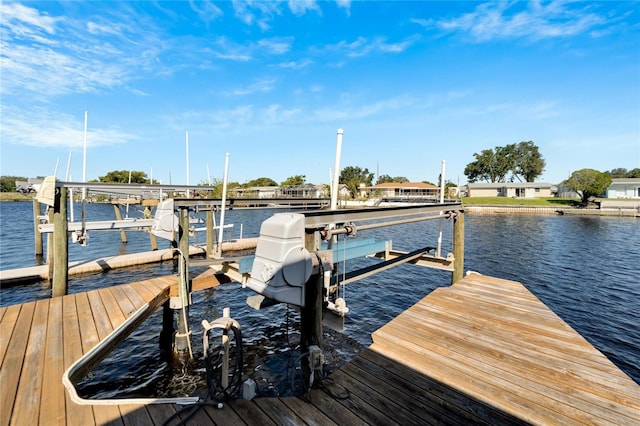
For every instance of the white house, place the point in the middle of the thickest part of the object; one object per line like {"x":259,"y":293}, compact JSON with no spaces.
{"x":404,"y":190}
{"x":511,"y":189}
{"x":255,"y":192}
{"x":624,"y":188}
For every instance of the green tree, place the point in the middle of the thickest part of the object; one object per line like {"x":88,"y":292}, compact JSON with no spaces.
{"x":122,"y":176}
{"x":263,"y":181}
{"x":294,"y":180}
{"x":353,"y":177}
{"x":8,"y":183}
{"x":389,"y":179}
{"x":384,"y":179}
{"x":490,"y":165}
{"x":588,"y":183}
{"x":619,"y":172}
{"x":528,"y":161}
{"x":633,"y":173}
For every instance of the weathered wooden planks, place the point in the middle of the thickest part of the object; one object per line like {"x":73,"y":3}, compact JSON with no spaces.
{"x":483,"y":351}
{"x":41,"y":339}
{"x":493,"y":340}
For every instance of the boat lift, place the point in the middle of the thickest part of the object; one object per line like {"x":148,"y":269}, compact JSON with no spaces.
{"x":297,"y":257}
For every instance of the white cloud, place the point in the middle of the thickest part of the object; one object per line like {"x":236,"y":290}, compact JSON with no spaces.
{"x":276,"y":46}
{"x":345,"y":4}
{"x":258,"y":12}
{"x":54,"y":56}
{"x":206,"y":10}
{"x":258,"y":86}
{"x":300,"y":7}
{"x":276,"y":114}
{"x":365,"y":110}
{"x":363,"y":46}
{"x":296,"y":65}
{"x":26,"y":22}
{"x":534,"y":20}
{"x":44,"y":128}
{"x":224,"y":48}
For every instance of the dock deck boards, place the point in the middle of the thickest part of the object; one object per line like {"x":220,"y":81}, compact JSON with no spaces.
{"x":483,"y":351}
{"x":495,"y":341}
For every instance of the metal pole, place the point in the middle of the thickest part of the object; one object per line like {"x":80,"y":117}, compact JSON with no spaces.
{"x":439,"y":247}
{"x":224,"y":204}
{"x":336,"y":171}
{"x":84,"y":157}
{"x":187,"y":143}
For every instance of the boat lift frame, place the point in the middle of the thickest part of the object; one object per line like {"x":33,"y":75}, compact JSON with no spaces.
{"x":321,"y":230}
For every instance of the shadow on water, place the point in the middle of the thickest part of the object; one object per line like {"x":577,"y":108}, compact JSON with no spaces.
{"x":137,"y":368}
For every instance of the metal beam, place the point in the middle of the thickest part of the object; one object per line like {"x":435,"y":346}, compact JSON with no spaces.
{"x":46,"y":228}
{"x":374,"y":269}
{"x":442,"y":263}
{"x":319,"y":218}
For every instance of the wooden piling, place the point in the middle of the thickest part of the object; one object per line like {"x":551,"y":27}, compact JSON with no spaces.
{"x":123,"y":235}
{"x":36,"y":232}
{"x":148,"y":215}
{"x":50,"y":254}
{"x":60,"y":244}
{"x":210,"y":231}
{"x":458,"y":247}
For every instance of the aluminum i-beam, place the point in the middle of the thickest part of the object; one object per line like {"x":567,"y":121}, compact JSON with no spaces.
{"x":320,"y":218}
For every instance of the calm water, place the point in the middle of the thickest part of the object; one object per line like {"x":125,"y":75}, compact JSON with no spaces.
{"x":585,"y":269}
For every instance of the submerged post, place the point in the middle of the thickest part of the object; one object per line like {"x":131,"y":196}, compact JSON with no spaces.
{"x":60,"y":244}
{"x":123,"y":235}
{"x":458,"y":246}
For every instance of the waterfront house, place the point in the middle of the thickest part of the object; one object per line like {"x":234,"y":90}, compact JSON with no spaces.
{"x":292,"y":191}
{"x":511,"y":189}
{"x":404,"y":191}
{"x":306,"y":190}
{"x":624,"y":188}
{"x":254,"y":192}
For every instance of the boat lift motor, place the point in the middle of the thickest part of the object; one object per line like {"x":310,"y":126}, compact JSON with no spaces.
{"x":282,"y":264}
{"x":165,"y":221}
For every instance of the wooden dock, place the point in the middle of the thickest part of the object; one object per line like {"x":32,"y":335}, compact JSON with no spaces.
{"x":483,"y":351}
{"x":37,"y":273}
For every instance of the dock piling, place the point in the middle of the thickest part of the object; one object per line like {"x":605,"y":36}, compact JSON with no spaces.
{"x":36,"y":232}
{"x":123,"y":235}
{"x":458,"y":246}
{"x":60,"y":244}
{"x":182,"y":344}
{"x":50,"y":255}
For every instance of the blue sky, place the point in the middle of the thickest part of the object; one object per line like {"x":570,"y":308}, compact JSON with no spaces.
{"x":411,"y":83}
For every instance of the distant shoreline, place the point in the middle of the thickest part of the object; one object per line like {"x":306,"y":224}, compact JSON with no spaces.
{"x":470,"y":207}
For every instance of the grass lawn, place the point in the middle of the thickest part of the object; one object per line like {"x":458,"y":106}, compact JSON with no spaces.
{"x":506,"y":201}
{"x":14,"y":196}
